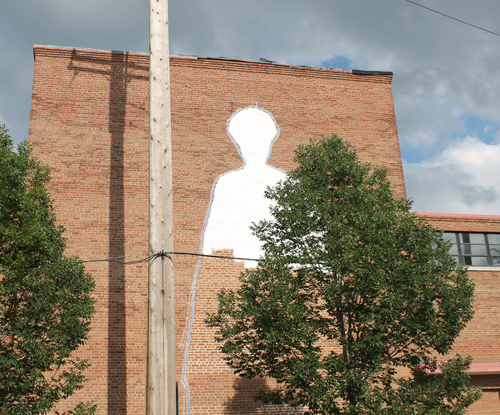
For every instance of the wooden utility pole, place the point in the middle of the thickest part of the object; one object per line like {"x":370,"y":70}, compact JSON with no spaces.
{"x":161,"y":385}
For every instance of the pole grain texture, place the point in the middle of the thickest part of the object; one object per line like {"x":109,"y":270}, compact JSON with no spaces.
{"x":161,"y":372}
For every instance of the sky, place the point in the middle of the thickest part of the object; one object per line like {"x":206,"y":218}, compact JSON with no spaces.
{"x":446,"y":74}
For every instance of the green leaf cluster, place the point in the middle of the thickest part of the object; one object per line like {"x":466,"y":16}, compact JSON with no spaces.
{"x":353,"y":292}
{"x":45,"y":298}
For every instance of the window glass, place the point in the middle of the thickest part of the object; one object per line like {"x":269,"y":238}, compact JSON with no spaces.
{"x":468,"y":249}
{"x":494,"y":238}
{"x":472,"y":238}
{"x":451,"y":237}
{"x":495,"y":249}
{"x":496,"y":261}
{"x":479,"y":261}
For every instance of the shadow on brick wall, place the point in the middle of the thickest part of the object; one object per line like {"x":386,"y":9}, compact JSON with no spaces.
{"x":243,"y":402}
{"x":116,"y":70}
{"x":117,"y":356}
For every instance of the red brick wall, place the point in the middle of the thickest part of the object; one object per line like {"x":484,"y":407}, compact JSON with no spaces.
{"x":89,"y":122}
{"x":463,"y":223}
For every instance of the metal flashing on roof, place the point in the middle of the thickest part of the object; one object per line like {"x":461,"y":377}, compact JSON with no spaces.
{"x":360,"y":72}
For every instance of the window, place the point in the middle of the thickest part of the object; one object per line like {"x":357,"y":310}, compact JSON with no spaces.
{"x":475,"y":249}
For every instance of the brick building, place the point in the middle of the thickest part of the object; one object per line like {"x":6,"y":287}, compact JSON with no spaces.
{"x":89,"y":122}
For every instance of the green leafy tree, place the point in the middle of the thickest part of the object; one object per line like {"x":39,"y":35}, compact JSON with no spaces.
{"x":45,"y":297}
{"x":353,"y":293}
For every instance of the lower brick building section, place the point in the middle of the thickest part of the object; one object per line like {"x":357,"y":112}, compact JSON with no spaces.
{"x":481,"y":338}
{"x":490,"y":402}
{"x":210,"y":383}
{"x":225,"y":394}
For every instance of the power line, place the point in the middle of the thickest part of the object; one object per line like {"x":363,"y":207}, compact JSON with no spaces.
{"x":453,"y":18}
{"x":166,"y":254}
{"x":115,"y":259}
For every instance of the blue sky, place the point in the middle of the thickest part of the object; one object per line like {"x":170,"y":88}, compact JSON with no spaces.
{"x":340,"y":62}
{"x":446,"y":79}
{"x":471,"y":125}
{"x":485,"y":129}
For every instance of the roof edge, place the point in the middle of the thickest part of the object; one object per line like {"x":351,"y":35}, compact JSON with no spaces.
{"x":492,"y":368}
{"x":457,"y":216}
{"x":67,"y":49}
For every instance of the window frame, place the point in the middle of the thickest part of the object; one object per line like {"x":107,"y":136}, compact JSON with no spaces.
{"x":463,"y":257}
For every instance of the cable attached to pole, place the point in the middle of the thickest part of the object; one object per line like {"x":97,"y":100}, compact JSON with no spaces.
{"x":167,"y":254}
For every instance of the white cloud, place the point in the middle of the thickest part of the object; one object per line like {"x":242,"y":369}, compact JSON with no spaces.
{"x":462,"y":179}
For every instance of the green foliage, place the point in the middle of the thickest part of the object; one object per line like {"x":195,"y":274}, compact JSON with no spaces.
{"x":45,"y":297}
{"x":353,"y":288}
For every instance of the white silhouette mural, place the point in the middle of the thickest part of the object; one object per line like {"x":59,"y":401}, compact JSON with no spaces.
{"x":238,"y":195}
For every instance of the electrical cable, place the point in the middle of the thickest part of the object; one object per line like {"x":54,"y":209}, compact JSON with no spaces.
{"x":113,"y":259}
{"x":164,"y":254}
{"x":453,"y":18}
